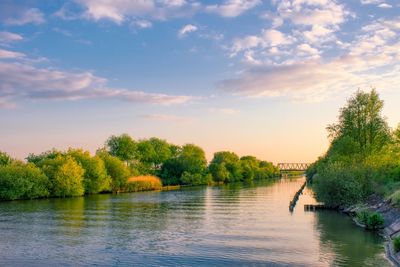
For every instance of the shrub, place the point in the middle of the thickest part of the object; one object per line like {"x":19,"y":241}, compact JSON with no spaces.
{"x":195,"y":179}
{"x":95,"y":179}
{"x":338,"y":186}
{"x":22,"y":181}
{"x":65,"y":175}
{"x":396,"y":244}
{"x":117,"y":170}
{"x":5,"y":159}
{"x":143,"y":183}
{"x":375,"y":221}
{"x":395,"y":198}
{"x":371,"y":220}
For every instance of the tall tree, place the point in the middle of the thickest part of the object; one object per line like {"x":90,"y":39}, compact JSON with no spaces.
{"x":122,"y":146}
{"x":361,"y":120}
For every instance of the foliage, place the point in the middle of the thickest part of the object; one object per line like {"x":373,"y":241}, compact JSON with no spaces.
{"x":152,"y":153}
{"x":95,"y":179}
{"x":361,"y":122}
{"x":188,"y":178}
{"x":143,"y":183}
{"x":371,"y":220}
{"x":396,"y":243}
{"x":50,"y":154}
{"x":338,"y":186}
{"x":375,"y":221}
{"x":395,"y":198}
{"x":190,"y":159}
{"x":226,"y":167}
{"x":22,"y":181}
{"x":65,"y":175}
{"x":116,"y":169}
{"x":5,"y":159}
{"x":75,"y":172}
{"x":122,"y":146}
{"x":363,"y":157}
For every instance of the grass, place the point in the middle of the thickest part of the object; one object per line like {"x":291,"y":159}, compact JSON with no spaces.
{"x":143,"y":183}
{"x":395,"y":198}
{"x":396,"y":244}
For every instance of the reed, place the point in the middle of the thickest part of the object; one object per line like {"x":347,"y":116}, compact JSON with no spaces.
{"x":143,"y":183}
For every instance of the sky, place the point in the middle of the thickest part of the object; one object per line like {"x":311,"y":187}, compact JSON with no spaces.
{"x":257,"y":77}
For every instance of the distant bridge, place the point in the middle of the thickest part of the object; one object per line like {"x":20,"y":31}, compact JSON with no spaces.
{"x":286,"y":167}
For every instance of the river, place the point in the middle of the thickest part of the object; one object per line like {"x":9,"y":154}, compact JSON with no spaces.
{"x":231,"y":225}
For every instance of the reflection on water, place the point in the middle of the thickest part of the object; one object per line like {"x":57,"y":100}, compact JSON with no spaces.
{"x":240,"y":224}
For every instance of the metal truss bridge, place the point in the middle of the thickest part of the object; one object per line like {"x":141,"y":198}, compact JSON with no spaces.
{"x":293,"y":166}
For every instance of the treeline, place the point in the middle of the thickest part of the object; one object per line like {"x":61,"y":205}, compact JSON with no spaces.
{"x":123,"y":165}
{"x":363,"y":157}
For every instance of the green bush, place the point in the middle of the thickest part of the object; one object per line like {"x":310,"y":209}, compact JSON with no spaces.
{"x":95,"y":179}
{"x":395,"y":198}
{"x":22,"y":181}
{"x":117,"y":170}
{"x":371,"y":220}
{"x":339,"y":186}
{"x":195,"y":179}
{"x":5,"y":159}
{"x":396,"y":244}
{"x":65,"y":175}
{"x":375,"y":221}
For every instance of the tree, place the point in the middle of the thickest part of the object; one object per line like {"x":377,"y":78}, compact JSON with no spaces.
{"x":152,"y":153}
{"x":95,"y":179}
{"x":123,"y":147}
{"x":191,"y":159}
{"x":22,"y":181}
{"x":65,"y":175}
{"x":5,"y":159}
{"x":50,"y":154}
{"x":362,"y":121}
{"x":116,"y":169}
{"x":231,"y":169}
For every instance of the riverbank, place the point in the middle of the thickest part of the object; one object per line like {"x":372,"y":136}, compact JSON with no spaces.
{"x":391,"y":215}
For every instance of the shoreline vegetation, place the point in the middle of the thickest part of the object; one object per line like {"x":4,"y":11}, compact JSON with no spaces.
{"x":360,"y":173}
{"x":124,"y":165}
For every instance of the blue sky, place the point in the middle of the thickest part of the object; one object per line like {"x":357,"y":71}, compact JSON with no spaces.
{"x":255,"y":77}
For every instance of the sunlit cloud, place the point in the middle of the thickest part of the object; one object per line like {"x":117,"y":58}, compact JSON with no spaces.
{"x":23,"y":80}
{"x":9,"y":37}
{"x":28,"y":16}
{"x":186,"y":30}
{"x":232,"y":8}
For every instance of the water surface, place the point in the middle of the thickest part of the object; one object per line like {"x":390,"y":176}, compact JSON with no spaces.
{"x":231,"y":225}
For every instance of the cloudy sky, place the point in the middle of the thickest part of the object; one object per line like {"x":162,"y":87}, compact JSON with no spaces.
{"x":260,"y":77}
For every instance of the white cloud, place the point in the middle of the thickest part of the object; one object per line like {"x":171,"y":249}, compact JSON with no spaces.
{"x":22,"y":80}
{"x":186,"y":30}
{"x":10,"y":54}
{"x":369,"y":2}
{"x":306,"y":50}
{"x":119,"y":11}
{"x":8,"y":37}
{"x":142,"y":24}
{"x":267,"y":38}
{"x":312,"y":12}
{"x":371,"y":59}
{"x":385,"y":5}
{"x":232,"y":8}
{"x":32,"y":15}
